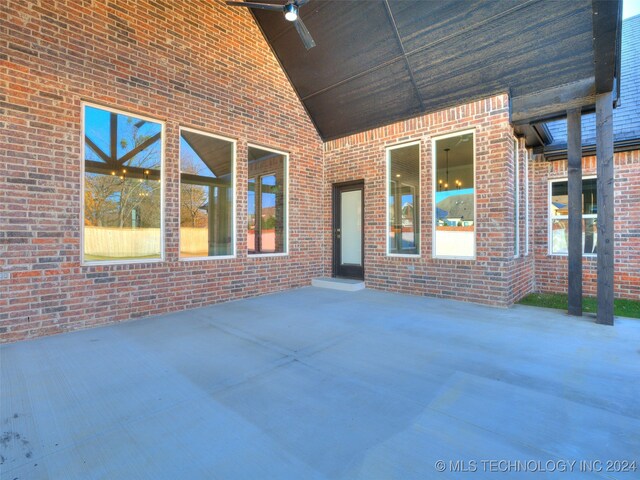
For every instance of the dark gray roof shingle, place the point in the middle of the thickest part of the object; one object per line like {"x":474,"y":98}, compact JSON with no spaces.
{"x":626,"y":118}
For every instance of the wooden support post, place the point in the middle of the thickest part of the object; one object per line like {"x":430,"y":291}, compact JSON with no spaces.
{"x":604,"y":154}
{"x":574,"y":157}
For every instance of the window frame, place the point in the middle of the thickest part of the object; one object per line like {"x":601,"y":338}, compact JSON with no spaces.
{"x":286,"y":202}
{"x":388,"y":180}
{"x":434,"y":189}
{"x":551,"y":218}
{"x":257,"y":181}
{"x":234,"y":182}
{"x":89,"y":263}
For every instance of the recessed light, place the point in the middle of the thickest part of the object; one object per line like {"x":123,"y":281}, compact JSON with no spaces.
{"x":291,"y":12}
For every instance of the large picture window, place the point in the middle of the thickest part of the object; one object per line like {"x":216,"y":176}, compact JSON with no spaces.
{"x":559,"y":217}
{"x":403,"y":183}
{"x":454,"y":206}
{"x":206,"y":195}
{"x":267,"y":202}
{"x":122,"y":186}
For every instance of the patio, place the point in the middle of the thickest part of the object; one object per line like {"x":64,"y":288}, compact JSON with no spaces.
{"x":316,"y":383}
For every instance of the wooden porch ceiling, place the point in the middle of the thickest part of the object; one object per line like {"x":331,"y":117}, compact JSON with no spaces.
{"x":380,"y":61}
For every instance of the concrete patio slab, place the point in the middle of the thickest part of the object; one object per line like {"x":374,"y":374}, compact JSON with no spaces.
{"x":345,"y":284}
{"x":319,"y":383}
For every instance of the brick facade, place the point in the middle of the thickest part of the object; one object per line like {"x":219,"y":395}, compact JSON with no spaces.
{"x":551,"y":270}
{"x":187,"y":64}
{"x":202,"y":66}
{"x":494,"y":277}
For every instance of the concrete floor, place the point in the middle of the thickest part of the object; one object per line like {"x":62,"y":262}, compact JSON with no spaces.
{"x":316,"y":383}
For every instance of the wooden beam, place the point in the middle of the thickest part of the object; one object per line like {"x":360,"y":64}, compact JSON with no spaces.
{"x":132,"y":153}
{"x":574,"y":156}
{"x":202,"y":180}
{"x":404,"y":53}
{"x":553,"y":102}
{"x":114,"y":137}
{"x":132,"y":172}
{"x":604,"y":154}
{"x":607,"y":27}
{"x":98,"y":151}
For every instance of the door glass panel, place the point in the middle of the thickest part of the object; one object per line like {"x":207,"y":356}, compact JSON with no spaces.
{"x":351,"y":227}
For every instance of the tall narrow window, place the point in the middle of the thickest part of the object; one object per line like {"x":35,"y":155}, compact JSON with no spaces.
{"x":516,"y":199}
{"x":559,"y":217}
{"x":403,"y":177}
{"x":454,"y":209}
{"x":267,"y":202}
{"x":122,"y":186}
{"x":206,"y":195}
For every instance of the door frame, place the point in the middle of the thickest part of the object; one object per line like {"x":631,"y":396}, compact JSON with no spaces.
{"x":337,"y":189}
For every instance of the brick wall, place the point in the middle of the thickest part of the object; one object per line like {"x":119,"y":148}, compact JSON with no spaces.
{"x":551,"y":270}
{"x":195,"y":64}
{"x":207,"y":67}
{"x":494,"y":277}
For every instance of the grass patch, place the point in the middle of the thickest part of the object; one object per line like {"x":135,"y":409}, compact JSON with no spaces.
{"x":621,"y":307}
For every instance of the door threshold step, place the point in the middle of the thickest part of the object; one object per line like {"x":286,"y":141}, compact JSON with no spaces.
{"x":344,"y":284}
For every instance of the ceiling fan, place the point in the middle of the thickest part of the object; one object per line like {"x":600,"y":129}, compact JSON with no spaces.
{"x":290,"y":10}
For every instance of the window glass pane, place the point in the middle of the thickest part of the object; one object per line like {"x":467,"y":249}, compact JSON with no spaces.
{"x":404,"y":192}
{"x":455,"y":187}
{"x":589,"y":235}
{"x":206,"y":195}
{"x":559,"y":199}
{"x":266,"y":232}
{"x":392,"y":218}
{"x":251,"y":205}
{"x":559,"y":210}
{"x":268,"y":206}
{"x":589,"y":196}
{"x":560,"y":235}
{"x":122,"y":194}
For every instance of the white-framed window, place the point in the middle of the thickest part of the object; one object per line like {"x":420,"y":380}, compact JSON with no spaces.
{"x":454,"y":208}
{"x":267,"y":201}
{"x":207,"y":195}
{"x":559,"y":216}
{"x":403,"y":199}
{"x":122,"y":188}
{"x":516,"y":199}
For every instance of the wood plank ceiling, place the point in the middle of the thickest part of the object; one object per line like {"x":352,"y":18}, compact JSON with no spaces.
{"x":380,"y":61}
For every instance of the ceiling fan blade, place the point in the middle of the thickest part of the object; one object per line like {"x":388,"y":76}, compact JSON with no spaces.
{"x":304,"y":34}
{"x":301,"y":2}
{"x":262,"y":6}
